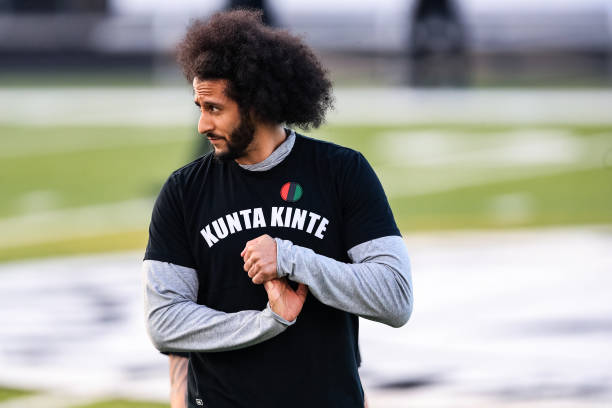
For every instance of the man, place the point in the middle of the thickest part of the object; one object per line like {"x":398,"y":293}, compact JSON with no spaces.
{"x":263,"y":253}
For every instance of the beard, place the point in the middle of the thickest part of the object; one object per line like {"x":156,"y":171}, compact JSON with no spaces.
{"x":238,"y":142}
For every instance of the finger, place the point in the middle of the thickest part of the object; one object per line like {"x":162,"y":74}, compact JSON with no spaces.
{"x":260,"y":277}
{"x":253,"y":271}
{"x":250,"y":263}
{"x":250,"y":260}
{"x":266,"y":274}
{"x":246,"y":247}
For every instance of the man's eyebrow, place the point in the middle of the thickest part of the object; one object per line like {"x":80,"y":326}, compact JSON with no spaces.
{"x":197,"y":103}
{"x":210,"y":103}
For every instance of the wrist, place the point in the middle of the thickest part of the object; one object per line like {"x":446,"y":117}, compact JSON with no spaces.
{"x":284,"y":263}
{"x":278,"y":317}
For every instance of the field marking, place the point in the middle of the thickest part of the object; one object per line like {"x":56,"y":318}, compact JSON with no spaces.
{"x":425,"y":162}
{"x":534,"y":147}
{"x":403,"y":185}
{"x":85,"y":144}
{"x":172,"y":105}
{"x":67,"y":223}
{"x":47,"y":400}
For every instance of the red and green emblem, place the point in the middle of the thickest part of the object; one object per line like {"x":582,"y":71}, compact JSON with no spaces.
{"x":291,"y":191}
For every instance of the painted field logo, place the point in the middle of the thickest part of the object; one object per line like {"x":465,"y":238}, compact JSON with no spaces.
{"x":291,"y":192}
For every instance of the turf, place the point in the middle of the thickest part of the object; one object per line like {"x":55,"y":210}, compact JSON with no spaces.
{"x":122,"y":403}
{"x":10,"y":393}
{"x":579,"y":197}
{"x":86,"y":166}
{"x":101,"y":243}
{"x":106,"y":169}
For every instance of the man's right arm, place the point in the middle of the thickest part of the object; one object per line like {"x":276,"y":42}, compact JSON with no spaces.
{"x":175,"y":322}
{"x":178,"y":381}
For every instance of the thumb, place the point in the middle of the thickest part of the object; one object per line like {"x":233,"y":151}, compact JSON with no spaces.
{"x":302,"y":291}
{"x":268,"y":285}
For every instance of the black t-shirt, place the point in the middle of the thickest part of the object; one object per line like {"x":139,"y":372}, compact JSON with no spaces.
{"x":321,"y":196}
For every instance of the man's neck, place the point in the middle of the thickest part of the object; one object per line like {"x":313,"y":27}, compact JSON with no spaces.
{"x":265,"y":140}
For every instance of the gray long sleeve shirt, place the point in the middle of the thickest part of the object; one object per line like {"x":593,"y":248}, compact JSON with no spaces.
{"x":377,"y":285}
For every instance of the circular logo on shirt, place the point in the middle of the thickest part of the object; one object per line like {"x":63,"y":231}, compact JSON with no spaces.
{"x":291,"y":191}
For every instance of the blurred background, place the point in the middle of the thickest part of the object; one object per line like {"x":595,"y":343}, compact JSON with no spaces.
{"x":488,"y":122}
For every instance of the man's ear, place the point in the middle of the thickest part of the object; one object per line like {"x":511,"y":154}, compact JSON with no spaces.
{"x":255,"y":120}
{"x":254,"y":117}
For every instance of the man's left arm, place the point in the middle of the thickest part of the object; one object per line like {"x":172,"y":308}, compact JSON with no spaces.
{"x":376,"y":286}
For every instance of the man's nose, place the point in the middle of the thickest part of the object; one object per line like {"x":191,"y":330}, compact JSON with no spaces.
{"x":205,"y":124}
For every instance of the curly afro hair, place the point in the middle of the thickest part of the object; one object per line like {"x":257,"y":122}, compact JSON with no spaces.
{"x":269,"y":71}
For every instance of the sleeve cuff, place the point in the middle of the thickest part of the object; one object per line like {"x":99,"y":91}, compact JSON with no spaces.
{"x":268,"y":311}
{"x":176,"y":353}
{"x":284,"y":259}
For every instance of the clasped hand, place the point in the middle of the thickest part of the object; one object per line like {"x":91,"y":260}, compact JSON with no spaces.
{"x":259,"y":256}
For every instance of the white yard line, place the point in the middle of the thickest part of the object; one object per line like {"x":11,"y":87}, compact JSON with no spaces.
{"x":424,"y":162}
{"x":25,"y":148}
{"x":407,"y":184}
{"x":77,"y":222}
{"x":47,"y":400}
{"x":513,"y":148}
{"x":172,"y":105}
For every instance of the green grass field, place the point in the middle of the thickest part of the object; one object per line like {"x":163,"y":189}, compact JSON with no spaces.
{"x":17,"y":395}
{"x":11,"y":393}
{"x":121,"y":403}
{"x":71,"y":190}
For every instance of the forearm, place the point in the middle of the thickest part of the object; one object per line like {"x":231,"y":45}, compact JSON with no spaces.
{"x":175,"y":322}
{"x":178,"y":380}
{"x":378,"y":286}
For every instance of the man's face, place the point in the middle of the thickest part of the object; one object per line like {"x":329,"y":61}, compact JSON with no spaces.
{"x":229,"y":132}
